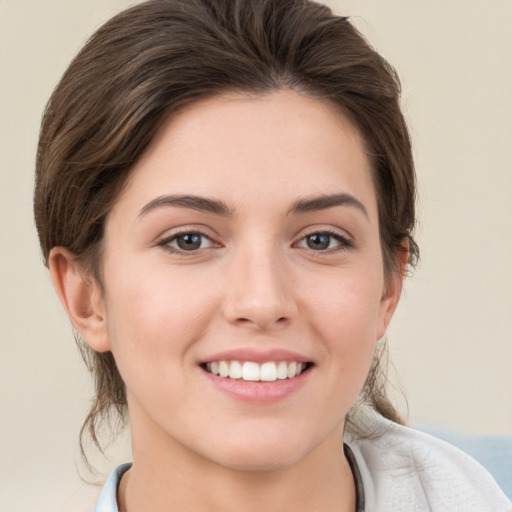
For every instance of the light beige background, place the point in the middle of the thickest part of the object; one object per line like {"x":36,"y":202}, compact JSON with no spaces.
{"x":451,"y":340}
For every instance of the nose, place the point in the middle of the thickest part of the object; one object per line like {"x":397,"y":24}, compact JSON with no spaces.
{"x":259,"y":291}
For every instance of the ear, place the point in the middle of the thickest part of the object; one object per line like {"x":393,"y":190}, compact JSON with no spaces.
{"x":392,"y":291}
{"x":81,"y":297}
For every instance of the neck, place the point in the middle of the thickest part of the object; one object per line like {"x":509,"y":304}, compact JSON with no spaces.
{"x":167,"y":479}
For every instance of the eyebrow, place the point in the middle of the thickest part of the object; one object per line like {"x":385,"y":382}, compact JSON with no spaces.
{"x":199,"y":203}
{"x":317,"y":203}
{"x":217,"y":207}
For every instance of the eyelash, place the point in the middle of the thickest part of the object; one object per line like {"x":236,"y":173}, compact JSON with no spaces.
{"x":344,"y":243}
{"x":166,"y":242}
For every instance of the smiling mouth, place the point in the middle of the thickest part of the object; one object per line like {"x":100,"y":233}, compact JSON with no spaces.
{"x":254,"y":372}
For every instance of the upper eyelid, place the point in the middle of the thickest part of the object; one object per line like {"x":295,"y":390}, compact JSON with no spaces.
{"x":332,"y":234}
{"x":184,"y":230}
{"x":169,"y":238}
{"x":336,"y":232}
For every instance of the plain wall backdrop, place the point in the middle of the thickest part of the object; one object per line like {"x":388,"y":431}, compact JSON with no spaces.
{"x":451,"y":339}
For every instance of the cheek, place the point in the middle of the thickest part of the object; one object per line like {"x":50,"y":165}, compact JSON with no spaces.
{"x":153,"y":322}
{"x":347,"y":319}
{"x":351,"y":306}
{"x":154,"y":315}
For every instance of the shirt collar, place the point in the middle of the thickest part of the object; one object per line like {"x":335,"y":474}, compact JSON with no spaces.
{"x":107,"y":502}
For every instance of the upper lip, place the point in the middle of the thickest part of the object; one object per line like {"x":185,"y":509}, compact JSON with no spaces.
{"x":257,"y":356}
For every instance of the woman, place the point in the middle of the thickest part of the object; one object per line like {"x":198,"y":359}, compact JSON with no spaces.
{"x":225,"y":200}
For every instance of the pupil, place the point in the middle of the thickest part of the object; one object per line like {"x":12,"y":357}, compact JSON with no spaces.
{"x":189,"y":242}
{"x":318,"y":241}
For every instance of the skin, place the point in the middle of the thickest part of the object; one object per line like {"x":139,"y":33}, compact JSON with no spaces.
{"x":254,"y":282}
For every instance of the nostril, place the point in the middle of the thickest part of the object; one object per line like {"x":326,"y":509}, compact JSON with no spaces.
{"x":262,"y":323}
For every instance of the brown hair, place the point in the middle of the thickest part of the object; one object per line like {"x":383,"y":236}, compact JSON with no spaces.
{"x":159,"y":56}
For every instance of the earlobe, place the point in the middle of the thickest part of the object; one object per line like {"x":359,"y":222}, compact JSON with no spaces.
{"x":81,"y":297}
{"x":392,"y":292}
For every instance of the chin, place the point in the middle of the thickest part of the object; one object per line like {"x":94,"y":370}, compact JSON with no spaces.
{"x":258,"y":462}
{"x":261,"y":454}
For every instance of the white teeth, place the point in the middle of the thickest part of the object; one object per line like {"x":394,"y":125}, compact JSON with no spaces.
{"x":235,"y":370}
{"x":223,"y":369}
{"x":251,"y":371}
{"x":282,"y":370}
{"x":292,"y":368}
{"x":268,"y":372}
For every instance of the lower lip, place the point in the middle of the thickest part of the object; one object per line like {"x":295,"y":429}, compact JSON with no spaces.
{"x":258,"y":392}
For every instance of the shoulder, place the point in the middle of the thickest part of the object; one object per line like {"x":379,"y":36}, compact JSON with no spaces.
{"x":407,"y":470}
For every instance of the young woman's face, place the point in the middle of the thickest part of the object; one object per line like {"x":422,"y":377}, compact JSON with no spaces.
{"x":246,"y":242}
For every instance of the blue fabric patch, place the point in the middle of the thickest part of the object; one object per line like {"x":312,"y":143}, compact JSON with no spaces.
{"x":107,"y":502}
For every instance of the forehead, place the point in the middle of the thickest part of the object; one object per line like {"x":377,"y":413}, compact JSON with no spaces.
{"x":280,"y":145}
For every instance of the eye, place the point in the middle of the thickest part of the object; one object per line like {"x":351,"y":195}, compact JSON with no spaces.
{"x":324,"y":240}
{"x":188,"y":242}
